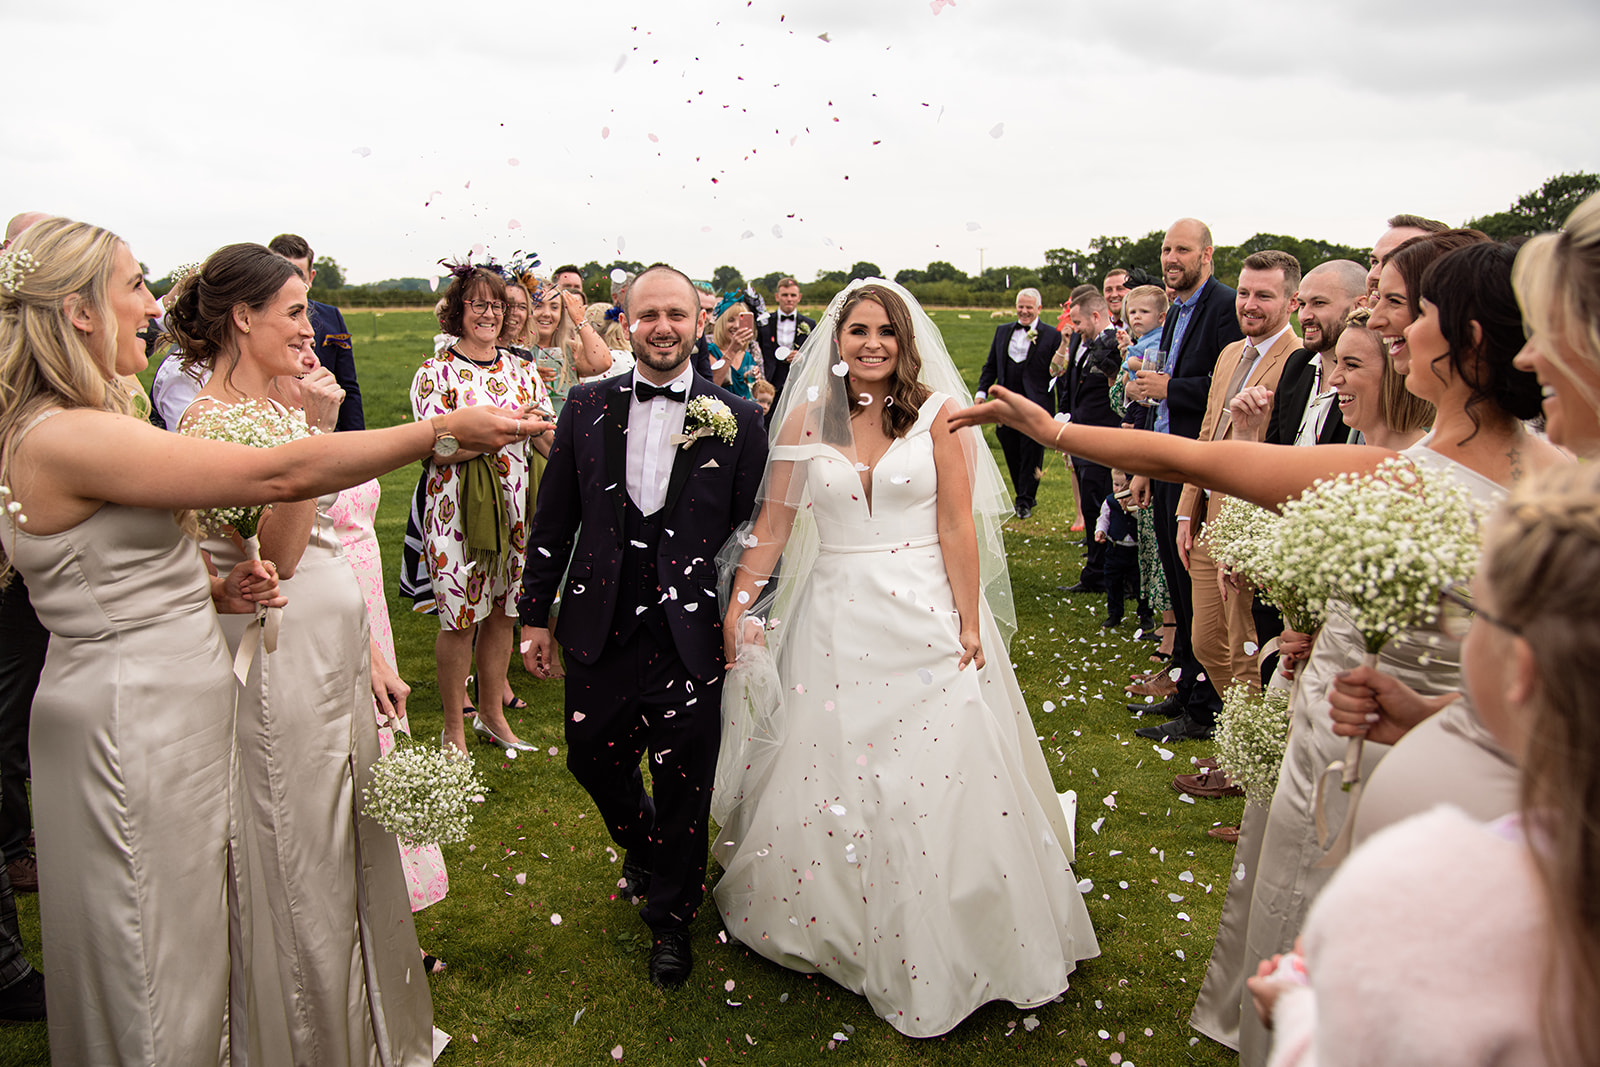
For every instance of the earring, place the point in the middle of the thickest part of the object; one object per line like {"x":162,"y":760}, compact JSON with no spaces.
{"x":247,"y":329}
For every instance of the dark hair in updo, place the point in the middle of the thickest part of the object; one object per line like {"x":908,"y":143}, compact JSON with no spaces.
{"x":200,"y":320}
{"x":1473,"y":285}
{"x":462,"y":287}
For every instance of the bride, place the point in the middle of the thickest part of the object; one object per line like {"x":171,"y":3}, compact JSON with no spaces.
{"x":887,"y":816}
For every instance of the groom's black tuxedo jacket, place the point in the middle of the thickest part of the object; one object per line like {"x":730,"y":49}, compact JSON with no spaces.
{"x":712,"y":489}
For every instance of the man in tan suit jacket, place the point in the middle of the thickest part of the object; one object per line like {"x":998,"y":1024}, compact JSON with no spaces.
{"x":1223,"y":624}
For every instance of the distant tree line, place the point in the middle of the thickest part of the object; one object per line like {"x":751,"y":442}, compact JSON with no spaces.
{"x":942,"y":283}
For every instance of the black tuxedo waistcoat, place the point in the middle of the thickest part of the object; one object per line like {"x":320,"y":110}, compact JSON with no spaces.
{"x":580,"y":514}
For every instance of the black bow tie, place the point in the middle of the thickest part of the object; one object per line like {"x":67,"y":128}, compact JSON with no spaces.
{"x":1020,"y":326}
{"x":647,"y":392}
{"x":785,"y":318}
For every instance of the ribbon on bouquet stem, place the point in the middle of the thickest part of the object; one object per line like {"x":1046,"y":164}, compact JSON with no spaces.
{"x":262,"y":632}
{"x":1349,"y":770}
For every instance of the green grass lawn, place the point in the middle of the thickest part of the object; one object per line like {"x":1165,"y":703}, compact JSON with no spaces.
{"x":525,"y":988}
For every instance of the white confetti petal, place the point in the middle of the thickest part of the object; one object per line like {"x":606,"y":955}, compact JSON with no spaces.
{"x":839,"y":370}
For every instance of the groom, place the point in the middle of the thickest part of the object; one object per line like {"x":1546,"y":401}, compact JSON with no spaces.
{"x":639,"y":617}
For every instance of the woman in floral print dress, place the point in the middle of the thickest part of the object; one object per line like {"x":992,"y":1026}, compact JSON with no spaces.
{"x":474,"y":587}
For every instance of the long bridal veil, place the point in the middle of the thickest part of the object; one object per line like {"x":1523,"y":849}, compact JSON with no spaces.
{"x":814,"y":413}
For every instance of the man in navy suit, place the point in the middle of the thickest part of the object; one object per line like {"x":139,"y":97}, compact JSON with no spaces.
{"x":642,"y":513}
{"x":1200,"y":324}
{"x":332,"y":343}
{"x":1019,"y":359}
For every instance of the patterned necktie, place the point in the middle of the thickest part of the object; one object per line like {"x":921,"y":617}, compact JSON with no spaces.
{"x":1247,"y":360}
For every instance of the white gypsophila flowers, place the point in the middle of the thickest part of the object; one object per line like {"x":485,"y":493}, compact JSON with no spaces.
{"x":15,"y":266}
{"x":422,"y":794}
{"x":1251,"y":736}
{"x":1384,"y":543}
{"x":1244,"y":538}
{"x":708,"y":413}
{"x":258,"y":424}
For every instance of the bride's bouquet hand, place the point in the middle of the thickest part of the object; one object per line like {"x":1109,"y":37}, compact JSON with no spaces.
{"x":971,"y":650}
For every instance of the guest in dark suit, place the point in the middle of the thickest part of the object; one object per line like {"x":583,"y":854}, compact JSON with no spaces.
{"x":333,"y":345}
{"x":1199,"y":325}
{"x":1019,"y":359}
{"x":648,"y":513}
{"x":1327,"y":293}
{"x":1084,"y":387}
{"x":780,"y":336}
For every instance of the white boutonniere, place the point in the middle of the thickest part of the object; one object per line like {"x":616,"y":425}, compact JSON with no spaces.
{"x":1033,"y":333}
{"x":706,"y":417}
{"x":801,"y":329}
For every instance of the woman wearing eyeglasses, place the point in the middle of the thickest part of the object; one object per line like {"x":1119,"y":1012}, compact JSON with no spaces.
{"x":1461,"y":349}
{"x":474,"y":526}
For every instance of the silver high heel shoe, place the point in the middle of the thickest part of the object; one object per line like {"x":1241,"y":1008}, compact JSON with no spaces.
{"x":486,"y":734}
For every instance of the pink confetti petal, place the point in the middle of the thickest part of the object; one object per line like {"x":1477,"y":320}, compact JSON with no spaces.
{"x":605,"y":131}
{"x":616,"y":1053}
{"x":513,"y":162}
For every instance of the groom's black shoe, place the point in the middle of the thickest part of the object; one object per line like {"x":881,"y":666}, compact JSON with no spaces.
{"x":635,"y":881}
{"x":1183,"y":728}
{"x":670,"y":959}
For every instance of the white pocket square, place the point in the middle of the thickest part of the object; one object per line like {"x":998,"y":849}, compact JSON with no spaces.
{"x":708,"y":463}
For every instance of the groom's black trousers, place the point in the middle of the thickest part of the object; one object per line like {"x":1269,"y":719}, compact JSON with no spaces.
{"x":638,"y":698}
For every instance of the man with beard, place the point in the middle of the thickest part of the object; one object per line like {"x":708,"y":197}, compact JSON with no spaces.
{"x":642,"y":512}
{"x":1199,"y":325}
{"x":1327,"y":294}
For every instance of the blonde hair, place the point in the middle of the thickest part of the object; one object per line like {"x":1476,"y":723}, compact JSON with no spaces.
{"x":1557,"y":280}
{"x":1147,"y":292}
{"x":1401,"y":410}
{"x":722,"y":335}
{"x":611,"y":331}
{"x":45,"y":361}
{"x":1542,"y":554}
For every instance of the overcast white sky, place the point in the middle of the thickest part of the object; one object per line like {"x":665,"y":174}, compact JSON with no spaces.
{"x":701,"y":133}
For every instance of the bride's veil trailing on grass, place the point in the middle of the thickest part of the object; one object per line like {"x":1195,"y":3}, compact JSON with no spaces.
{"x":814,"y":413}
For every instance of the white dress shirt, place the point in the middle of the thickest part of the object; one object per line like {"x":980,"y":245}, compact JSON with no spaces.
{"x":651,"y":426}
{"x":1019,"y":342}
{"x":786,"y":328}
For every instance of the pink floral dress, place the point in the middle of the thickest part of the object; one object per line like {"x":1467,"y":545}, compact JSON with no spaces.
{"x":464,"y":594}
{"x":353,"y":516}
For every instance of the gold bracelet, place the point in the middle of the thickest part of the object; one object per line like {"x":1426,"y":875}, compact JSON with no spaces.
{"x":1056,"y":444}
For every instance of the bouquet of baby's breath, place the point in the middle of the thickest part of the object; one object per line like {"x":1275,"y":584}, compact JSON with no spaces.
{"x":256,"y":423}
{"x":1244,"y":539}
{"x":705,"y":417}
{"x":1385,"y":544}
{"x":422,"y":794}
{"x":1252,"y":734}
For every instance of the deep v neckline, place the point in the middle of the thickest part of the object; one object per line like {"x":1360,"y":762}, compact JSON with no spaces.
{"x":869,"y":483}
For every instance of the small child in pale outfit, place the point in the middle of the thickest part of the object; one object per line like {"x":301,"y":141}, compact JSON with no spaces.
{"x":1118,"y":531}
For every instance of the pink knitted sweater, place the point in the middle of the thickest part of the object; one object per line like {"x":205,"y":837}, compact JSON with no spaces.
{"x":1427,"y":947}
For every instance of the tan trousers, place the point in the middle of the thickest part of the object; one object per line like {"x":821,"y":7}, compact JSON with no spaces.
{"x":1222,"y":626}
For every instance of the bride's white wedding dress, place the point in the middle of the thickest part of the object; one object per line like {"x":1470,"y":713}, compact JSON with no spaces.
{"x":904,"y":838}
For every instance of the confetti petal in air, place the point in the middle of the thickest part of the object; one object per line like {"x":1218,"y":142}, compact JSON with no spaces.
{"x":363,"y":151}
{"x":605,"y":131}
{"x":999,"y":131}
{"x":839,"y":370}
{"x":513,"y":162}
{"x":618,"y":276}
{"x":973,"y":226}
{"x":1250,"y":648}
{"x":777,"y":231}
{"x":623,"y":58}
{"x":824,"y":38}
{"x":513,"y":225}
{"x":653,"y":138}
{"x":746,"y":235}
